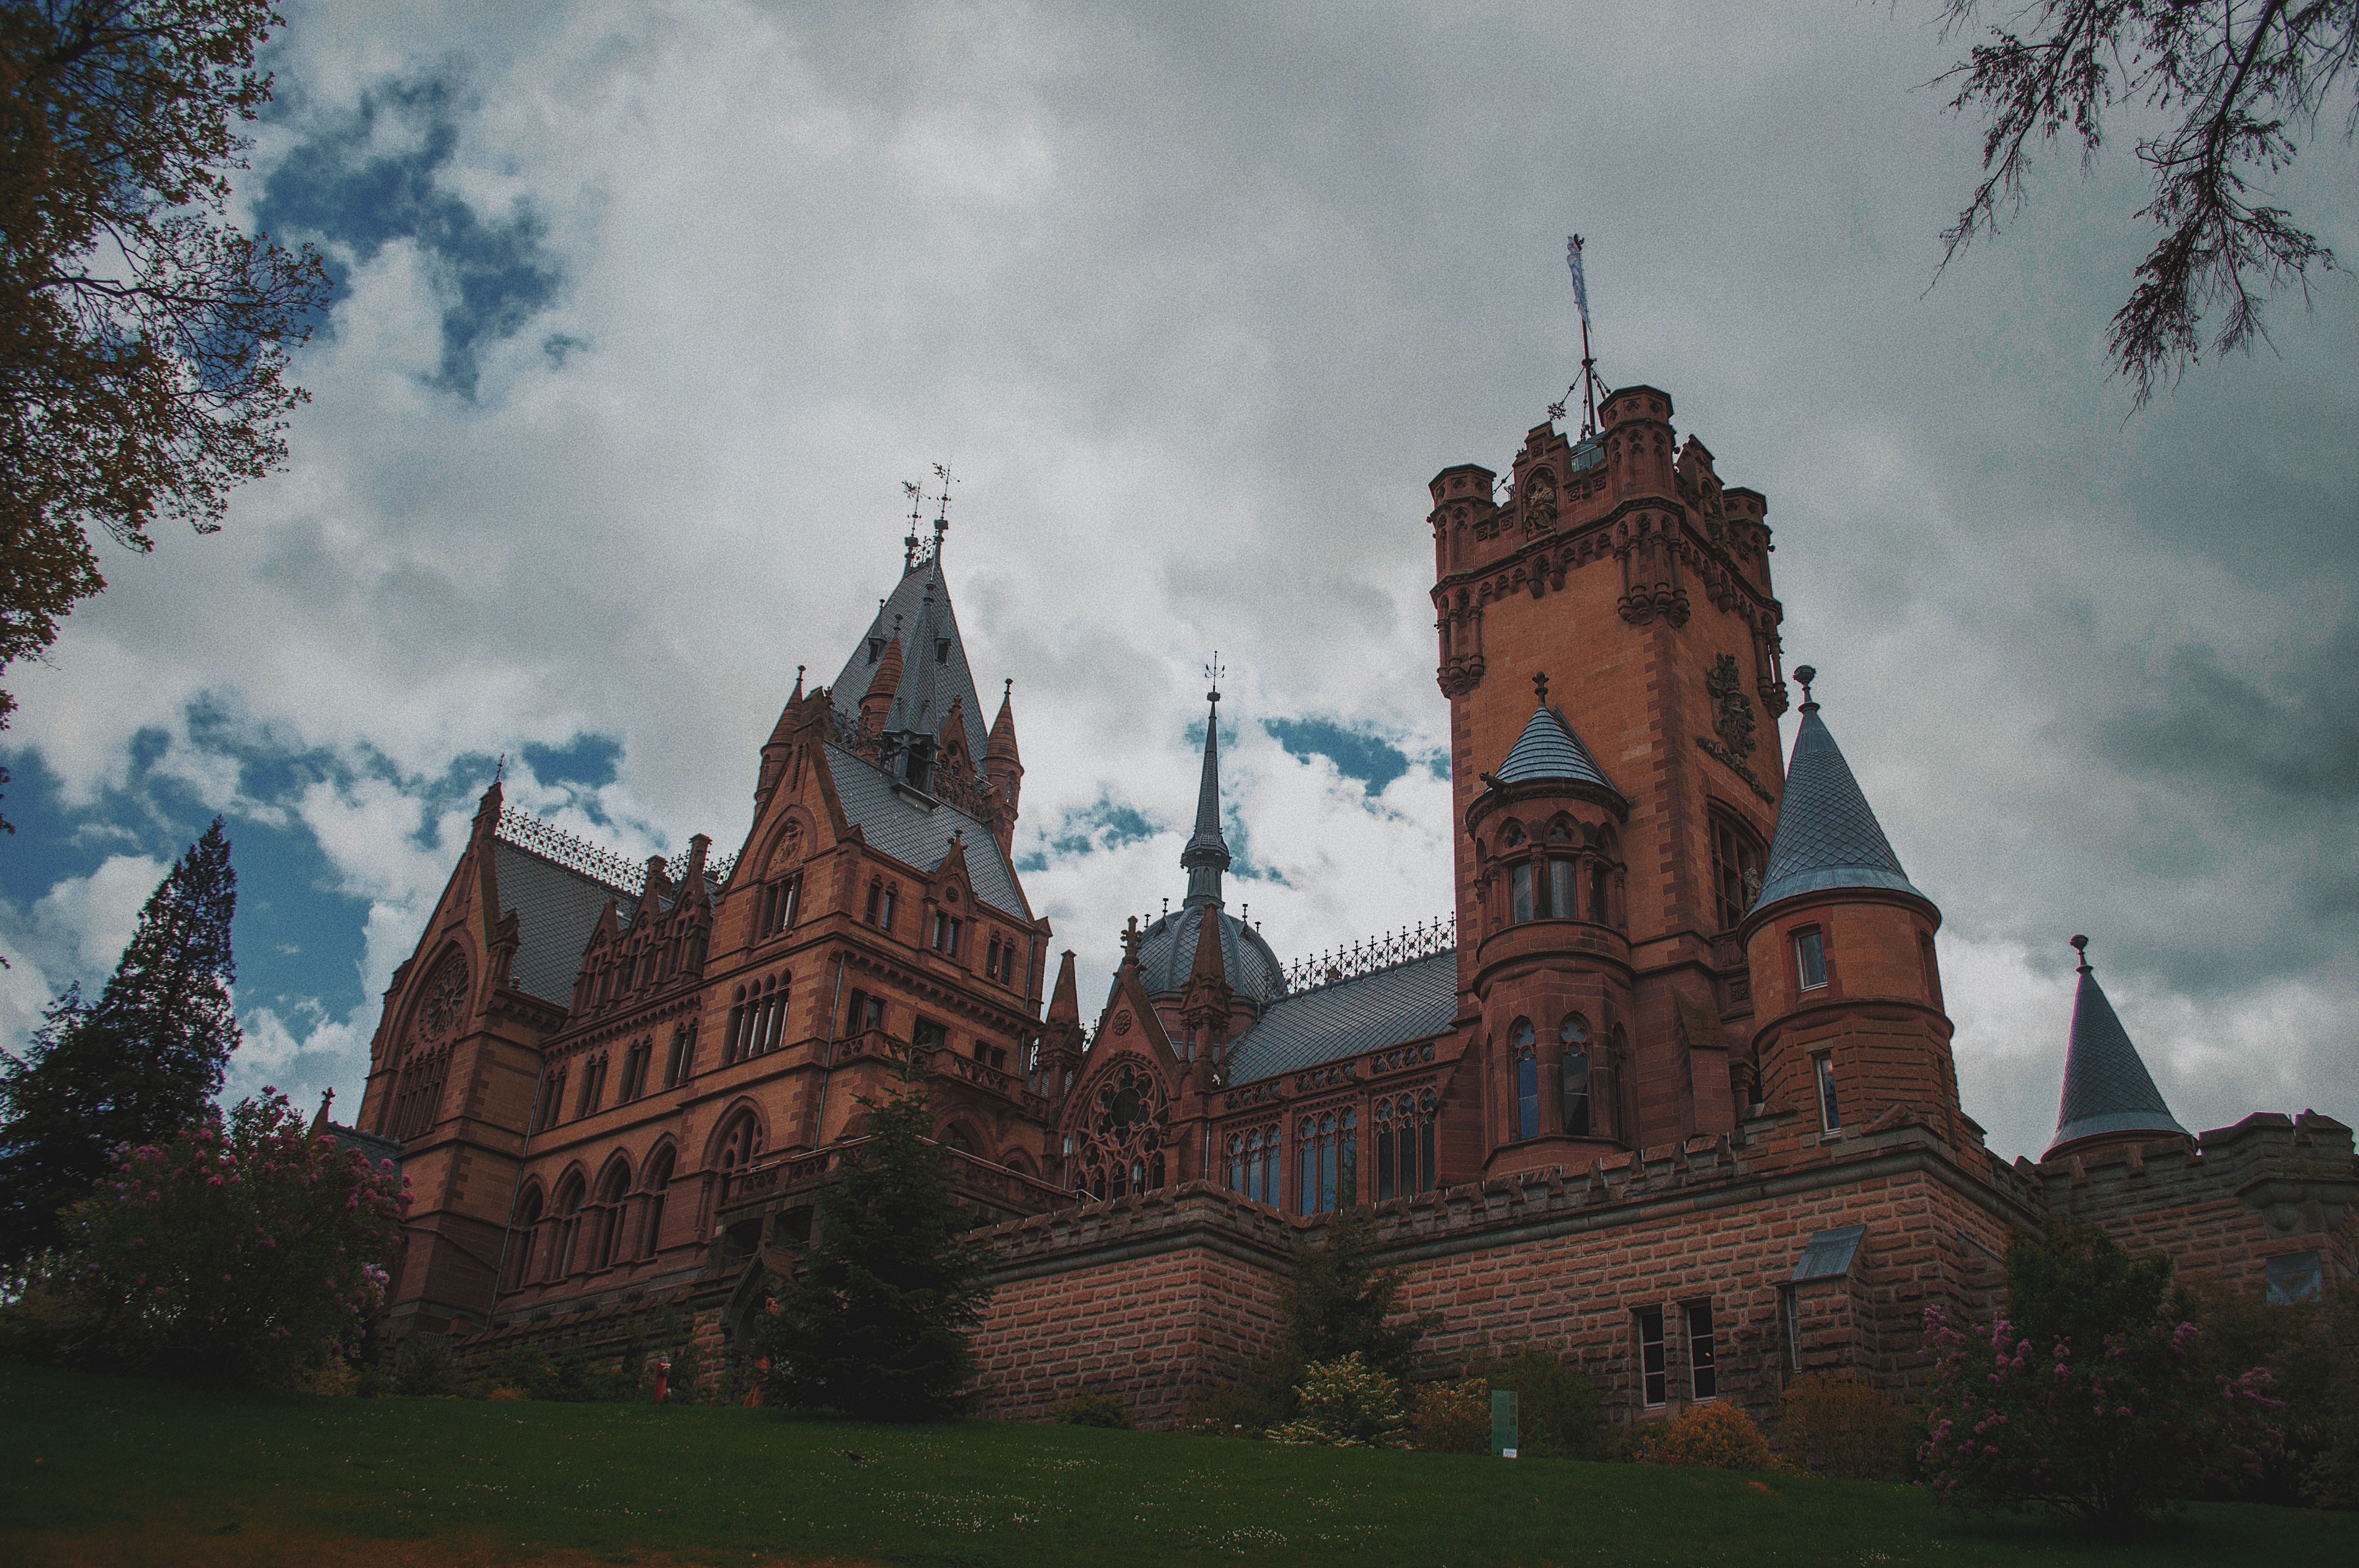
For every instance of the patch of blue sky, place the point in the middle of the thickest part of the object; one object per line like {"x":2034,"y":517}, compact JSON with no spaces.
{"x":1104,"y":824}
{"x":370,"y":177}
{"x":1359,"y":755}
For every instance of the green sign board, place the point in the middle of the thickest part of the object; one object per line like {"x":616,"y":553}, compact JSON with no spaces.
{"x":1503,"y":1423}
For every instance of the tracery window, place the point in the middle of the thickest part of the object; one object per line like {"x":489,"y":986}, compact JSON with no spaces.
{"x":1253,"y":1163}
{"x":1327,"y":1159}
{"x":1527,"y":1080}
{"x":1130,"y":1123}
{"x":1574,"y":1036}
{"x":1405,"y":1145}
{"x":739,"y":1144}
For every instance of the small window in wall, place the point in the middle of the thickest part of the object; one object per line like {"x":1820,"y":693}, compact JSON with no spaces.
{"x":1789,"y":1308}
{"x":942,"y":650}
{"x":875,"y":649}
{"x":2294,"y":1278}
{"x":1810,"y":955}
{"x":1822,"y":1066}
{"x":1735,"y":868}
{"x":1528,"y":1082}
{"x":1701,"y":1376}
{"x":1655,"y":1386}
{"x":930,"y":1036}
{"x":868,"y":1011}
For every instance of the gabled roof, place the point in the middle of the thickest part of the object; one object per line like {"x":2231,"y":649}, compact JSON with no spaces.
{"x":1827,"y":837}
{"x":930,"y":681}
{"x":920,"y":834}
{"x":557,"y":909}
{"x":1409,"y":1001}
{"x":1547,"y":749}
{"x":2106,"y":1085}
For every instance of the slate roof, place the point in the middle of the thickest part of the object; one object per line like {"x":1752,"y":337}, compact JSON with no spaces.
{"x":923,"y":698}
{"x":920,"y":835}
{"x":1547,"y":749}
{"x":376,"y":1150}
{"x":1411,"y":1002}
{"x":1827,"y":837}
{"x":1166,"y":954}
{"x":557,"y":909}
{"x":2106,"y":1085}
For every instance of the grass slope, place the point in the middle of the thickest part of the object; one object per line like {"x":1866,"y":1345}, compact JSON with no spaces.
{"x":104,"y":1470}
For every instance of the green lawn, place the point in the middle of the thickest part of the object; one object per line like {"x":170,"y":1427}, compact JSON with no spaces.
{"x":111,"y":1470}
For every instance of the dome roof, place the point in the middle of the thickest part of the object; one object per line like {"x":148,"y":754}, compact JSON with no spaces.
{"x":1165,"y":961}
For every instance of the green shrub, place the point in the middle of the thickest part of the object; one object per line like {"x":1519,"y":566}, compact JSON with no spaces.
{"x":1843,"y":1426}
{"x":1448,"y":1418}
{"x":1559,"y":1413}
{"x":426,"y":1371}
{"x":1714,"y":1436}
{"x":1345,"y":1404}
{"x":241,"y":1252}
{"x":1096,"y":1409}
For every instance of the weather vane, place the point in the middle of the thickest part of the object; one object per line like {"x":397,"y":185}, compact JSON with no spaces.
{"x":1587,"y":385}
{"x":1212,"y":673}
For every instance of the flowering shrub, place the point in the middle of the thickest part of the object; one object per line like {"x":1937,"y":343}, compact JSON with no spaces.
{"x":1843,"y":1426}
{"x":1716,"y":1436}
{"x":1345,"y":1404}
{"x":1451,"y":1418}
{"x":2110,"y":1433}
{"x":241,"y":1252}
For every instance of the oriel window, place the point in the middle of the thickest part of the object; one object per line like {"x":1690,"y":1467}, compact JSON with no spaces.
{"x":1564,"y":887}
{"x":1519,"y":893}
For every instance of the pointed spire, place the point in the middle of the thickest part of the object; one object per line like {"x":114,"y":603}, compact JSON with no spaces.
{"x":1827,"y":837}
{"x":1210,"y":967}
{"x":1065,"y":1001}
{"x":1003,"y":728}
{"x":2108,"y":1091}
{"x":1207,"y":854}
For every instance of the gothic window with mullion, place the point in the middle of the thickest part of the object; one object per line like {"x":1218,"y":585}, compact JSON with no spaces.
{"x":1405,"y":1163}
{"x":779,"y":903}
{"x":1327,"y":1161}
{"x":1253,"y":1163}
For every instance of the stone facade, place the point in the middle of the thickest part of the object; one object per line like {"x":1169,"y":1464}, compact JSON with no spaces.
{"x":1671,"y":1093}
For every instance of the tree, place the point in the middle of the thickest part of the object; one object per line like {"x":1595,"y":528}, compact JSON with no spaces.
{"x":2096,"y":1401}
{"x":1336,"y":1304}
{"x":876,"y":1317}
{"x":144,"y":340}
{"x":240,"y":1251}
{"x":135,"y":1067}
{"x":2234,"y":81}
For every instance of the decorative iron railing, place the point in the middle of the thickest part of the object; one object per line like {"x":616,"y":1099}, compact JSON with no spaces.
{"x":1389,"y":951}
{"x":575,"y":853}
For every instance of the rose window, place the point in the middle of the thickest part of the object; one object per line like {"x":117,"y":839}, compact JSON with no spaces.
{"x":446,"y":998}
{"x":1130,"y":1122}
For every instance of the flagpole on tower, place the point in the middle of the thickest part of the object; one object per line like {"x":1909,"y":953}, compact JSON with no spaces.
{"x":1588,"y":362}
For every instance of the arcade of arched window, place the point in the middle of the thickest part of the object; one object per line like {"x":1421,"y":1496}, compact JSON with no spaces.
{"x":1253,"y":1163}
{"x":418,"y":1095}
{"x":1129,"y":1127}
{"x":1327,"y":1162}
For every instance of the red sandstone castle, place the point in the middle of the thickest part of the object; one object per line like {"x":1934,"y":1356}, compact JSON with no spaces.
{"x":1673,"y":1095}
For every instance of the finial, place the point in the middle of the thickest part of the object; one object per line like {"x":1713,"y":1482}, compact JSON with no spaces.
{"x":1540,"y":685}
{"x":798,"y":679}
{"x":942,"y":501}
{"x":1806,"y":675}
{"x":1167,"y":906}
{"x":1212,"y":674}
{"x":2081,"y":946}
{"x":909,"y":542}
{"x":1007,"y":690}
{"x":501,"y":771}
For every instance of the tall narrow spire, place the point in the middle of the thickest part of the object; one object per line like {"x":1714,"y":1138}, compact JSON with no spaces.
{"x":2108,"y":1093}
{"x":1207,"y":854}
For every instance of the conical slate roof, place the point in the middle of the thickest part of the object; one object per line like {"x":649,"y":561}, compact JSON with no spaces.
{"x":2106,"y":1085}
{"x":935,"y":671}
{"x":1547,"y":749}
{"x":1827,"y":837}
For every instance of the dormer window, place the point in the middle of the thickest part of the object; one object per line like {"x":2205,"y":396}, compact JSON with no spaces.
{"x":875,"y":649}
{"x":942,"y":650}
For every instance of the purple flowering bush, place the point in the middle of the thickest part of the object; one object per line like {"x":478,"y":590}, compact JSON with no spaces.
{"x":240,"y":1251}
{"x":2111,"y":1432}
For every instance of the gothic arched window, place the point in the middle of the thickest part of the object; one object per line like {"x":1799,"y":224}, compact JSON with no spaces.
{"x":522,"y":1237}
{"x":1330,"y":1161}
{"x":568,"y":1225}
{"x":612,"y":1190}
{"x":1527,"y":1081}
{"x":655,"y":1183}
{"x":1405,"y":1145}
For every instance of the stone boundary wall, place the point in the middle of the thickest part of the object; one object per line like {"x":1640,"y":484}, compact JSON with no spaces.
{"x":2270,"y":1184}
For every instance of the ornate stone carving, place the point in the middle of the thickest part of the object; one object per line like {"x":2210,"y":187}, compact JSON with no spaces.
{"x":445,"y":1003}
{"x":1732,"y":716}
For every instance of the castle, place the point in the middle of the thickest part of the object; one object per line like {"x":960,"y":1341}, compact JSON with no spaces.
{"x":1673,"y":1093}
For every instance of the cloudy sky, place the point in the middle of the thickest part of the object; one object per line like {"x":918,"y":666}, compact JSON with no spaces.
{"x":646,"y":311}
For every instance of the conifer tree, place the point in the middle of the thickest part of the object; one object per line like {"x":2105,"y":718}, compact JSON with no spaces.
{"x":1337,"y":1304}
{"x":876,"y":1316}
{"x":135,"y":1067}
